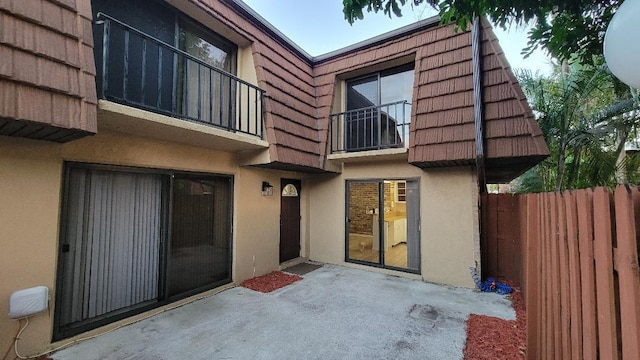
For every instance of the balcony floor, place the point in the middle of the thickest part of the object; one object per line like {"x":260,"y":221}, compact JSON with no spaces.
{"x":129,"y":120}
{"x":401,"y":153}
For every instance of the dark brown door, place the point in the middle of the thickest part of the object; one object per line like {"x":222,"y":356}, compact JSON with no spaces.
{"x":289,"y":219}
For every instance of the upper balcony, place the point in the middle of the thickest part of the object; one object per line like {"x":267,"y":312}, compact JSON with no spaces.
{"x":371,"y":131}
{"x":148,"y":87}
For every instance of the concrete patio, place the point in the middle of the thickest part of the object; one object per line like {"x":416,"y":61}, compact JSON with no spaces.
{"x":333,"y":313}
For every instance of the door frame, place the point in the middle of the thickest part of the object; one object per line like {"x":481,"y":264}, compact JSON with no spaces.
{"x":298,"y":184}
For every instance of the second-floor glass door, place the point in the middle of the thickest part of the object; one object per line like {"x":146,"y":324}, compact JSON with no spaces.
{"x":205,"y":94}
{"x":376,"y":116}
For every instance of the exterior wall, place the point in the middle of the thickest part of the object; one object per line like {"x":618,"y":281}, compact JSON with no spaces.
{"x":246,"y":66}
{"x":450,"y":225}
{"x":448,"y":248}
{"x":29,"y":208}
{"x":32,"y":170}
{"x":257,"y":222}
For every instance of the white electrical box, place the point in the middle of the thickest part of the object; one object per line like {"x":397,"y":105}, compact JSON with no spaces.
{"x":27,"y":302}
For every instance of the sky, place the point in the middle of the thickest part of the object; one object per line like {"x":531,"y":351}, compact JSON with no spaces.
{"x":318,"y":27}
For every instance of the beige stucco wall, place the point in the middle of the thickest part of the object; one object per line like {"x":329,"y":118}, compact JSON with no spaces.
{"x":31,"y":182}
{"x":449,"y":226}
{"x":448,"y":218}
{"x":30,"y":173}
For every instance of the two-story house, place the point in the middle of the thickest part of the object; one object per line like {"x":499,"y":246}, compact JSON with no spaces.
{"x":153,"y":150}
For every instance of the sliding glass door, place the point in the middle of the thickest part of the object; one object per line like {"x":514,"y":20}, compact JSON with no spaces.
{"x":134,"y":239}
{"x":382,"y":227}
{"x":200,"y":231}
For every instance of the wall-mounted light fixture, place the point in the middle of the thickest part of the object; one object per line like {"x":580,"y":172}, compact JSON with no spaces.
{"x":267,"y":189}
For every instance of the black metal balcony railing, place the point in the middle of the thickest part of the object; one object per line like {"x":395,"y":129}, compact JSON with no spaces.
{"x":371,"y":128}
{"x":141,"y":71}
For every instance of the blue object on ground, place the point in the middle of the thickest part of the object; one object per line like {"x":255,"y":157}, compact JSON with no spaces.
{"x":490,"y":285}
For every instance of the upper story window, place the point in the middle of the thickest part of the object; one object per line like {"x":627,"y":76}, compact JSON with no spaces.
{"x":378,"y":111}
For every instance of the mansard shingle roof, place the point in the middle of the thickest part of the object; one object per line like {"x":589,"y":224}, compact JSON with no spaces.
{"x":48,"y":60}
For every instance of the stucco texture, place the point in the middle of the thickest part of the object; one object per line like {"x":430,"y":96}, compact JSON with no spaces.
{"x":29,"y":206}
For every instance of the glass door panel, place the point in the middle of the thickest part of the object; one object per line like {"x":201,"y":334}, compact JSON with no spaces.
{"x":395,"y":225}
{"x":199,"y":253}
{"x":363,"y":235}
{"x":204,"y":94}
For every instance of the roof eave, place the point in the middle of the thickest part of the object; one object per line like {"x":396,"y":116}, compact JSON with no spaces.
{"x":382,"y":38}
{"x":251,"y":15}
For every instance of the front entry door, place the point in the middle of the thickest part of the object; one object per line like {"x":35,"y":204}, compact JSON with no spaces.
{"x":289,"y":219}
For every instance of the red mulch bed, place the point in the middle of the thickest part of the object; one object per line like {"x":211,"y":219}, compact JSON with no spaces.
{"x":270,"y":282}
{"x":493,"y":338}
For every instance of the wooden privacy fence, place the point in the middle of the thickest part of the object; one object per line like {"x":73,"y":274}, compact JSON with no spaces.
{"x":500,"y":242}
{"x":580,"y":272}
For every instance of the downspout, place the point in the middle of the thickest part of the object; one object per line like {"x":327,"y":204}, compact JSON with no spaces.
{"x":478,"y":114}
{"x":478,"y":110}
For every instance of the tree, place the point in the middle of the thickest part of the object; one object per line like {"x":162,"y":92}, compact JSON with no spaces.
{"x":563,"y":28}
{"x":586,"y":127}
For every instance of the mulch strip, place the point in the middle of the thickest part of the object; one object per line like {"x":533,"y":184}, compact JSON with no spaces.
{"x":270,"y":282}
{"x":493,"y":338}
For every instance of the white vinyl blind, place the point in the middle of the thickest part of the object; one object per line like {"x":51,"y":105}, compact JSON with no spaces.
{"x":110,"y":248}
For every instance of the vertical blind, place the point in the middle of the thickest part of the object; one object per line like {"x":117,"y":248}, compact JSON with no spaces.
{"x":110,"y":252}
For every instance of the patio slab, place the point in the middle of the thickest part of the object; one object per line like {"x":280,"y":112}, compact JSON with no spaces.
{"x":333,"y":313}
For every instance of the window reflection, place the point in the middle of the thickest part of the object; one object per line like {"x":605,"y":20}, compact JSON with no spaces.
{"x":205,"y":94}
{"x":376,"y":115}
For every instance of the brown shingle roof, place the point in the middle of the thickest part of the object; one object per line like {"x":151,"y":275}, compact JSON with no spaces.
{"x":514,"y":141}
{"x":443,"y":131}
{"x":49,"y":61}
{"x":47,"y":71}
